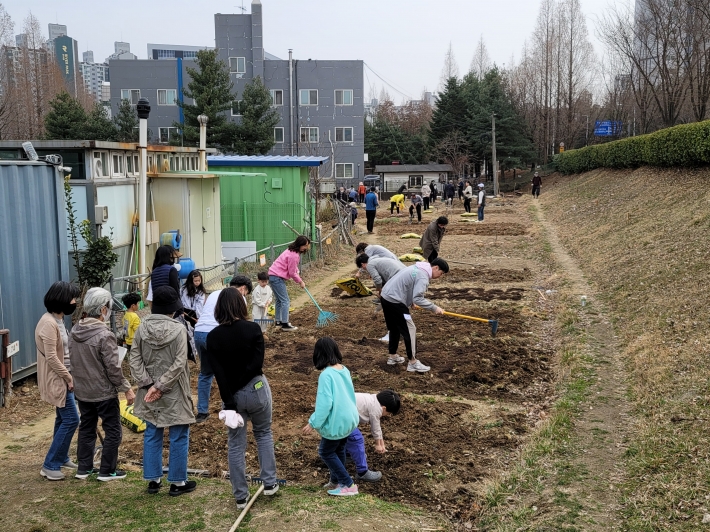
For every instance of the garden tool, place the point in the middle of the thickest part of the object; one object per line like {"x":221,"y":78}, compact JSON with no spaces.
{"x":324,"y":317}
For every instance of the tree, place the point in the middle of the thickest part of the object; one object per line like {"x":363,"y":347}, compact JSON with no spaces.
{"x":450,"y":112}
{"x":255,"y":134}
{"x":481,"y":62}
{"x":386,"y":142}
{"x":66,"y":120}
{"x":450,"y":68}
{"x":211,"y":90}
{"x":99,"y":126}
{"x":126,"y":122}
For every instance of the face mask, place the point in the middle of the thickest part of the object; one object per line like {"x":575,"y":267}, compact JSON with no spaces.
{"x":69,"y":309}
{"x":178,"y":266}
{"x":107,"y":315}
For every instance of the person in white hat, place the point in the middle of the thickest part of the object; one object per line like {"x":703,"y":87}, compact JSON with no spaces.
{"x":536,"y":182}
{"x":481,"y":200}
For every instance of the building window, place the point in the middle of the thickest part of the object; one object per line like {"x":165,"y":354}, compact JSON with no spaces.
{"x":308,"y":97}
{"x":344,"y":97}
{"x":237,"y":108}
{"x":343,"y":134}
{"x":117,"y":169}
{"x":277,"y":97}
{"x":167,"y":96}
{"x":415,"y":180}
{"x":132,"y":165}
{"x":278,"y":134}
{"x":132,"y":95}
{"x":309,"y":134}
{"x":237,"y":65}
{"x":101,"y":168}
{"x":344,"y":170}
{"x":166,"y":133}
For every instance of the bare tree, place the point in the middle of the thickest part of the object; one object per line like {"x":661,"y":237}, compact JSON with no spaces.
{"x":453,"y":150}
{"x":481,"y":62}
{"x":450,"y":68}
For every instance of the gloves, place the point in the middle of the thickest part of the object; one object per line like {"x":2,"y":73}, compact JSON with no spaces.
{"x":231,"y":419}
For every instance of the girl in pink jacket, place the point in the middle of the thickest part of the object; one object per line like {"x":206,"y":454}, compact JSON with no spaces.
{"x":286,"y":267}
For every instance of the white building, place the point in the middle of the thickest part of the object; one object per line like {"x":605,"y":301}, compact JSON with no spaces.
{"x":94,"y":74}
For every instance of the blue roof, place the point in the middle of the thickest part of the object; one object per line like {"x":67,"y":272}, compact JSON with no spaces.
{"x":264,"y":160}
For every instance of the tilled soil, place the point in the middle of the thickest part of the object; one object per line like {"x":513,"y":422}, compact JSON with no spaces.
{"x":455,"y":227}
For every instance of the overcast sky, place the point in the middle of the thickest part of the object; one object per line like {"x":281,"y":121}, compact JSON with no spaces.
{"x":404,"y":41}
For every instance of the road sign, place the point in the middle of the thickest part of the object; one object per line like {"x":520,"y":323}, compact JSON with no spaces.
{"x":13,"y":348}
{"x":607,"y":128}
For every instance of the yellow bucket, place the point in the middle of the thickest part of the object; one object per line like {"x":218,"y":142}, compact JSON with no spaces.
{"x":129,"y":419}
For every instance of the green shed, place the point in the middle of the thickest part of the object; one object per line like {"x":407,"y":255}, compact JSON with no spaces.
{"x":253,"y":208}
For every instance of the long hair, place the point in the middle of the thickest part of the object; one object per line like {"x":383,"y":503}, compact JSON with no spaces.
{"x":230,"y":307}
{"x":163,"y":255}
{"x":297,"y":244}
{"x":190,"y":287}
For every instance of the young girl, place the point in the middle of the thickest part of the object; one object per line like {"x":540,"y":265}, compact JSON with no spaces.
{"x":193,"y":296}
{"x":336,"y":415}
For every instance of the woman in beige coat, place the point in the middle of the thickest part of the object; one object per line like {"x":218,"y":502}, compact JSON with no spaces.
{"x":56,"y":385}
{"x":158,"y":361}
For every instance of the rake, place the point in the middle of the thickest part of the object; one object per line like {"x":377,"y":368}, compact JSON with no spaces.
{"x":254,"y":480}
{"x":324,"y":317}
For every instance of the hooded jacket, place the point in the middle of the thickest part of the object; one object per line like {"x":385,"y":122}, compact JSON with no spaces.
{"x":383,"y":269}
{"x":158,"y":358}
{"x":431,"y":239}
{"x":96,"y":370}
{"x":409,"y":286}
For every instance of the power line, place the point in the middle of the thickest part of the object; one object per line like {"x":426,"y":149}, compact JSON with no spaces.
{"x":387,"y":82}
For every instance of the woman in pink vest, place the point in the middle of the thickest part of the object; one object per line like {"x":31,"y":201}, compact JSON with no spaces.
{"x":285,"y":267}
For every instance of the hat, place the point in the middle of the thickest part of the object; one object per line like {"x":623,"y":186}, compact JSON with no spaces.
{"x":166,"y":300}
{"x":353,"y":204}
{"x":481,"y":185}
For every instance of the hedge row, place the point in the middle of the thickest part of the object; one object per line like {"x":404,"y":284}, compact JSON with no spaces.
{"x":685,"y":145}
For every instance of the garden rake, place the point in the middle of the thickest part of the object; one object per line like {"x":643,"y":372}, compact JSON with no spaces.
{"x":324,"y":317}
{"x":254,"y":480}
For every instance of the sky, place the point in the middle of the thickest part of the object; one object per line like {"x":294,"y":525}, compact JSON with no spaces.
{"x":402,"y":41}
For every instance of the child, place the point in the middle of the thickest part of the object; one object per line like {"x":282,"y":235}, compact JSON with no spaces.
{"x":131,"y":321}
{"x":336,"y":414}
{"x":371,"y":408}
{"x":193,"y":296}
{"x":261,"y":299}
{"x":353,"y":211}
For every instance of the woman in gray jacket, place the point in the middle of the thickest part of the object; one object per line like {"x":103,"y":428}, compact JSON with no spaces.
{"x":158,"y":361}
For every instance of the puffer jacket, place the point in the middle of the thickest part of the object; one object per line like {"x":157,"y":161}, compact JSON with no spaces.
{"x":93,"y":353}
{"x":158,"y":358}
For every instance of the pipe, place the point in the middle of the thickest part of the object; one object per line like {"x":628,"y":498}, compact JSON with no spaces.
{"x":290,"y":96}
{"x":246,"y":228}
{"x":142,"y":193}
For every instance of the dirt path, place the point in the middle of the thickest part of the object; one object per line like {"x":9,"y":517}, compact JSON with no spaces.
{"x":602,"y":425}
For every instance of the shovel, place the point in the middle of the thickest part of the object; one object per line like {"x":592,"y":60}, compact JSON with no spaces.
{"x":492,"y":323}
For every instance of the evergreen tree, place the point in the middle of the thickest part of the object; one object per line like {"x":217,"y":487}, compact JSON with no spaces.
{"x":99,"y":126}
{"x":66,"y":120}
{"x":126,"y":122}
{"x":211,"y":90}
{"x":386,"y":142}
{"x":450,"y":112}
{"x":255,"y":134}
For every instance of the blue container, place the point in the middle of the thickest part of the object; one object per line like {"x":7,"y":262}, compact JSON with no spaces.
{"x":186,"y":266}
{"x":171,"y":238}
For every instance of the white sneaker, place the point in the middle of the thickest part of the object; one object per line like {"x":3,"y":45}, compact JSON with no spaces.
{"x":386,"y":337}
{"x":418,"y":367}
{"x":394,"y":360}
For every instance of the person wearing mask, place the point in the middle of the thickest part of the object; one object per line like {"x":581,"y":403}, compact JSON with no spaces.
{"x":468,"y":195}
{"x":54,"y":380}
{"x":371,"y":204}
{"x":159,"y":367}
{"x":205,"y":324}
{"x":98,"y":379}
{"x":285,"y":267}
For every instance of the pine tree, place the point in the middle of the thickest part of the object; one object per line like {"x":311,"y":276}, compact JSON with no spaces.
{"x":211,"y":90}
{"x":450,"y":112}
{"x":99,"y":126}
{"x":126,"y":122}
{"x":255,"y":134}
{"x":66,"y":120}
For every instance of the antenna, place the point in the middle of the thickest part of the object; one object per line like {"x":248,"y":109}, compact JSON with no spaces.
{"x":244,"y":9}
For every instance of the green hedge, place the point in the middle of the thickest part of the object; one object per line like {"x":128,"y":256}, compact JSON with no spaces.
{"x":685,"y":145}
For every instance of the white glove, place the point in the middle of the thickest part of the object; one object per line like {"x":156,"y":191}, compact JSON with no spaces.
{"x":231,"y":419}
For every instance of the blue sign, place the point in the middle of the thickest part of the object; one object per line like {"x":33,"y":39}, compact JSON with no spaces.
{"x":607,"y":128}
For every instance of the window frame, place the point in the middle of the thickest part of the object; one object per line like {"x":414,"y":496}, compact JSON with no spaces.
{"x":417,"y":177}
{"x":231,"y":110}
{"x":103,"y":156}
{"x":131,"y":91}
{"x":244,"y":61}
{"x":310,"y":93}
{"x":343,"y":128}
{"x":282,"y":135}
{"x":118,"y":157}
{"x":343,"y":91}
{"x":166,"y":91}
{"x":273,"y":97}
{"x":343,"y":166}
{"x":309,"y":141}
{"x":160,"y":135}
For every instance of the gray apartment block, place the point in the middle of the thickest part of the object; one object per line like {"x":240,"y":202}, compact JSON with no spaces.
{"x":320,"y":103}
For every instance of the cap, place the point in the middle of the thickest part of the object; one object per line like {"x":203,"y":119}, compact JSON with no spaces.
{"x":481,"y":185}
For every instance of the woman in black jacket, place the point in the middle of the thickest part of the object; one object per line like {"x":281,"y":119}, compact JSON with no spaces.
{"x":244,"y":390}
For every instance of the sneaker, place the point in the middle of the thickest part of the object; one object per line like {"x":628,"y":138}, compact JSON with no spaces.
{"x":270,"y":490}
{"x":330,"y":485}
{"x":242,"y":503}
{"x":201,"y":417}
{"x":369,"y":476}
{"x":394,"y":360}
{"x":418,"y":367}
{"x":116,"y":475}
{"x":342,"y":491}
{"x":386,"y":337}
{"x":288,"y":327}
{"x":83,"y":475}
{"x":154,"y":487}
{"x":70,"y":465}
{"x":50,"y":474}
{"x":176,"y":490}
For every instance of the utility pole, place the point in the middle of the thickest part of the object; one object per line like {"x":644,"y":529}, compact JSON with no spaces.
{"x":494,"y":162}
{"x":586,"y":132}
{"x":143,"y":110}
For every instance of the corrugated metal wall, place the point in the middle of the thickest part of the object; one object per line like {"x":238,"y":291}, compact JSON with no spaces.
{"x":33,"y":251}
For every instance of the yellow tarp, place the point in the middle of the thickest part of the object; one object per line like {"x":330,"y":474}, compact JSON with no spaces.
{"x":353,"y":286}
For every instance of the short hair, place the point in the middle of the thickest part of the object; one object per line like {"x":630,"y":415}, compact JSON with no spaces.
{"x":372,"y":189}
{"x":59,"y":296}
{"x":230,"y":307}
{"x":130,"y":299}
{"x":241,"y":280}
{"x":390,"y":400}
{"x":96,"y":299}
{"x":441,"y":263}
{"x":360,"y":248}
{"x":326,"y":353}
{"x":442,"y":220}
{"x":361,"y":259}
{"x":262,"y":276}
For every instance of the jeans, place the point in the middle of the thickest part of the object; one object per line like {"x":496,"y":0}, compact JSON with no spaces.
{"x":370,"y":215}
{"x":281,"y":300}
{"x":332,"y":452}
{"x":110,"y":415}
{"x":480,"y":212}
{"x":355,"y":447}
{"x":204,"y":379}
{"x":253,"y":404}
{"x":65,"y":424}
{"x":153,"y":452}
